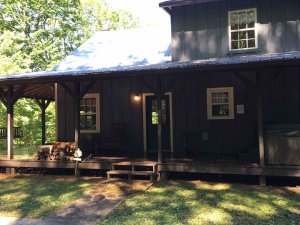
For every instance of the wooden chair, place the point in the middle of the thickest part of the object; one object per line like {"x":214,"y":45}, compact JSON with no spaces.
{"x":190,"y":144}
{"x":114,"y":142}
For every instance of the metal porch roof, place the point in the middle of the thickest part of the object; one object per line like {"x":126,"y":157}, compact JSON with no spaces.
{"x":245,"y":62}
{"x":167,"y":5}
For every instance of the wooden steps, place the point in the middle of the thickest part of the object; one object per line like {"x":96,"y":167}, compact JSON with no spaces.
{"x":147,"y":169}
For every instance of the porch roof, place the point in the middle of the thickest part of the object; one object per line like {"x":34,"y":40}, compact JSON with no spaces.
{"x":236,"y":63}
{"x":167,"y":5}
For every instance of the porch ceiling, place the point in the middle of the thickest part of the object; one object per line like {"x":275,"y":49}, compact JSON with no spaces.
{"x":41,"y":84}
{"x":44,"y":91}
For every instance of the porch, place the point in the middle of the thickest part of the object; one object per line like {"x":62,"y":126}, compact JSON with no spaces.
{"x":171,"y":165}
{"x":251,"y":78}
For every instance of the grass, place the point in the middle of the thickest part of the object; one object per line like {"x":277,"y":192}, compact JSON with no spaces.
{"x":20,"y":153}
{"x":38,"y":196}
{"x":208,"y":203}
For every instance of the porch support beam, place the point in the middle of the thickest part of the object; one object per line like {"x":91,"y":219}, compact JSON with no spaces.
{"x":43,"y":105}
{"x":9,"y":98}
{"x":77,"y":94}
{"x":171,"y":84}
{"x":10,"y":123}
{"x":159,"y":92}
{"x":148,"y":85}
{"x":244,"y":79}
{"x":262,"y":179}
{"x":77,"y":113}
{"x":159,"y":125}
{"x":2,"y":97}
{"x":274,"y":77}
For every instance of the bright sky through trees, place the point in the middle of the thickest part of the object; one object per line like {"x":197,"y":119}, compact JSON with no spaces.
{"x":147,"y":11}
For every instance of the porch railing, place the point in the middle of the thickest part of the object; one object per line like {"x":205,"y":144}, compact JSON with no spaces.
{"x":18,"y":132}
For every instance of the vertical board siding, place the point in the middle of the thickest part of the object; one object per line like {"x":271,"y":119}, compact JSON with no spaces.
{"x":264,"y":25}
{"x":291,"y":30}
{"x":201,"y":31}
{"x":281,"y":104}
{"x":213,"y":30}
{"x":277,"y":29}
{"x":60,"y":116}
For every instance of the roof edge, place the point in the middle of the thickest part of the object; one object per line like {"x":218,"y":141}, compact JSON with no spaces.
{"x":167,"y":5}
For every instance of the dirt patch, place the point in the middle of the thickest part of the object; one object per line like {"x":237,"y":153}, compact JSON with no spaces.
{"x":99,"y":202}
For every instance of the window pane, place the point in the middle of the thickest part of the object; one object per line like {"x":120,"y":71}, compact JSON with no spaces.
{"x":242,"y":29}
{"x":88,"y":109}
{"x":154,"y":118}
{"x":154,"y":105}
{"x":235,"y":36}
{"x":234,"y":17}
{"x":88,"y":112}
{"x":243,"y":24}
{"x":251,"y":15}
{"x":242,"y":16}
{"x":251,"y":34}
{"x":250,"y":25}
{"x":89,"y":122}
{"x":220,"y":110}
{"x":251,"y":44}
{"x":82,"y":121}
{"x":214,"y":100}
{"x":234,"y":45}
{"x":225,"y":94}
{"x":243,"y":44}
{"x":243,"y":35}
{"x":234,"y":26}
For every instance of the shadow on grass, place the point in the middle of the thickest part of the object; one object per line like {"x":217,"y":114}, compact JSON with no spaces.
{"x":37,"y":196}
{"x":207,"y":203}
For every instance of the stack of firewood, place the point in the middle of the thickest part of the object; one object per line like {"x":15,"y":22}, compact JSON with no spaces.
{"x":57,"y":151}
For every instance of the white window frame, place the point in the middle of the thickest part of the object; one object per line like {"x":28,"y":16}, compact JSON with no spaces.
{"x":247,"y":29}
{"x":209,"y":92}
{"x":97,"y":97}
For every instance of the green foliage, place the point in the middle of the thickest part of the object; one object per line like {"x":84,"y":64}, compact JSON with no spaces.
{"x":35,"y":35}
{"x":209,"y":203}
{"x":45,"y":31}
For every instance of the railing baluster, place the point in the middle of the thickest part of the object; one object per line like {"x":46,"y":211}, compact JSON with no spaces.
{"x":18,"y":132}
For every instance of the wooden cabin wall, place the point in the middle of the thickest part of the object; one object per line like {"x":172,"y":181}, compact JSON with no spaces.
{"x":201,"y":31}
{"x":281,"y":105}
{"x":116,"y":106}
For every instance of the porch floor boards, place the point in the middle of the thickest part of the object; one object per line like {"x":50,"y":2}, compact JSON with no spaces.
{"x":171,"y":165}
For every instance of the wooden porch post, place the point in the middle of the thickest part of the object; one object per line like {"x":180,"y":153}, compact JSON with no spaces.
{"x":160,"y":159}
{"x":159,"y":131}
{"x":159,"y":124}
{"x":262,"y":179}
{"x":77,"y":94}
{"x":76,"y":99}
{"x":43,"y":105}
{"x":10,"y":123}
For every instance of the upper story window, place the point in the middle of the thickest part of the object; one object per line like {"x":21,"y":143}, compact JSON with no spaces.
{"x":90,"y":114}
{"x":242,"y":29}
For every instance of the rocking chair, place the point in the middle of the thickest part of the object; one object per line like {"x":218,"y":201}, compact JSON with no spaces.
{"x":114,"y":142}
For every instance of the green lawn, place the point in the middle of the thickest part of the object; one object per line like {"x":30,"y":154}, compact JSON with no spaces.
{"x":37,"y":196}
{"x":20,"y":153}
{"x":209,"y":203}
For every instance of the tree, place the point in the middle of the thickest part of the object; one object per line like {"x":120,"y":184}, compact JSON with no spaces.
{"x":36,"y":34}
{"x":48,"y":30}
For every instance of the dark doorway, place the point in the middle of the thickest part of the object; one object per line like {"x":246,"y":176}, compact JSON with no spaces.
{"x":152,"y":121}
